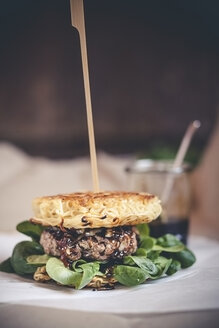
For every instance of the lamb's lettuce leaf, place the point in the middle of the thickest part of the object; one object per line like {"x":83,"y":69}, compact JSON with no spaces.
{"x":130,"y":275}
{"x":153,"y":255}
{"x":163,"y":264}
{"x":58,"y":272}
{"x":141,"y":252}
{"x":89,"y":271}
{"x":6,"y":266}
{"x":143,"y":263}
{"x":174,"y":267}
{"x":185,"y":257}
{"x":170,"y":249}
{"x":38,"y":259}
{"x":20,"y":253}
{"x":30,"y":229}
{"x":147,"y":243}
{"x":81,"y":274}
{"x":144,"y":230}
{"x":168,"y":240}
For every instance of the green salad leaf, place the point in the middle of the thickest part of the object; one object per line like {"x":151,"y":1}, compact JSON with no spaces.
{"x":76,"y":265}
{"x":143,"y":263}
{"x":20,"y":253}
{"x":6,"y":266}
{"x":81,"y":274}
{"x":30,"y":229}
{"x":141,"y":252}
{"x":174,"y":267}
{"x":143,"y":230}
{"x":153,"y":255}
{"x":185,"y":257}
{"x":147,"y":243}
{"x":38,"y":259}
{"x":170,"y":249}
{"x":130,"y":275}
{"x":89,"y":271}
{"x":163,"y":265}
{"x":168,"y":240}
{"x":58,"y":272}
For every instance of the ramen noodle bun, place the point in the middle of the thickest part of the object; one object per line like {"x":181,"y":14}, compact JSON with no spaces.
{"x":96,"y":210}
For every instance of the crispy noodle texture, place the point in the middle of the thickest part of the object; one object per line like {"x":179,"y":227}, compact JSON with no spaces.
{"x":95,"y":210}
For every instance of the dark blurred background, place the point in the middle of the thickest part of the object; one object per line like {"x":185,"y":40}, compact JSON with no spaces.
{"x":153,"y":68}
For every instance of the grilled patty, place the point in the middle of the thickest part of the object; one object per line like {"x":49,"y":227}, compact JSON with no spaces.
{"x":93,"y":244}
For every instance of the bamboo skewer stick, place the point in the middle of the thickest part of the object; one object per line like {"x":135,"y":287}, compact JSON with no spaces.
{"x":178,"y":162}
{"x":77,"y":19}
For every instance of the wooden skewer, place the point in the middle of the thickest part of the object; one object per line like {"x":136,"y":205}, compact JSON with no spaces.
{"x":77,"y":19}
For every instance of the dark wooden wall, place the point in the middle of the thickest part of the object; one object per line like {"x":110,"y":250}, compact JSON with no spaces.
{"x":153,"y":67}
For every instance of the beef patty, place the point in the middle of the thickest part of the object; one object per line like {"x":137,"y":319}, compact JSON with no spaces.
{"x":93,"y":244}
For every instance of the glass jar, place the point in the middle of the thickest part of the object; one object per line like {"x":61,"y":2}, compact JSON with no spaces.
{"x":172,"y":186}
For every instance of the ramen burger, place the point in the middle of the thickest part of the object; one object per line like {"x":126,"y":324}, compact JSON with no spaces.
{"x":93,"y":226}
